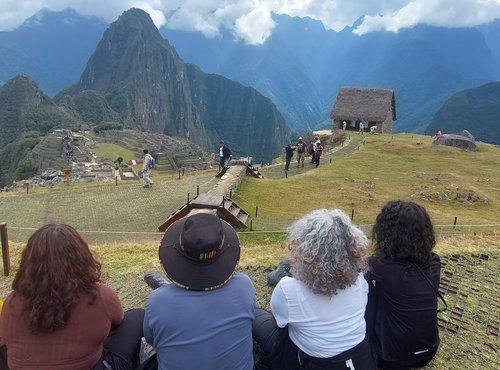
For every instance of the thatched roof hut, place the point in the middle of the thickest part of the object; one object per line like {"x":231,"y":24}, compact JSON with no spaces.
{"x":371,"y":107}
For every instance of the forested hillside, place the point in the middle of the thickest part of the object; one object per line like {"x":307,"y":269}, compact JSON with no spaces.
{"x":26,"y":115}
{"x":476,"y":110}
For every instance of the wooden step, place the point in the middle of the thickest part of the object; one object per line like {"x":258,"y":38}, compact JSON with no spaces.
{"x":234,"y":210}
{"x":225,"y":208}
{"x":253,"y":172}
{"x":243,"y":217}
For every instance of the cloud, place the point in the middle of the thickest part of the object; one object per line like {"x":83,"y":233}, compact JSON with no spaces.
{"x":256,"y":26}
{"x":251,"y":20}
{"x":443,"y":13}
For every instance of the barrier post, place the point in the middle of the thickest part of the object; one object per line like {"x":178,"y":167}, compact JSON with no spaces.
{"x":179,"y":174}
{"x":256,"y":211}
{"x":352,"y":214}
{"x":5,"y":249}
{"x":251,"y":228}
{"x":197,"y":190}
{"x":455,"y":222}
{"x":187,"y":199}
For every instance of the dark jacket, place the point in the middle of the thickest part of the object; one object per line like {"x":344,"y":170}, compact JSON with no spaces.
{"x":402,"y":311}
{"x":226,"y":152}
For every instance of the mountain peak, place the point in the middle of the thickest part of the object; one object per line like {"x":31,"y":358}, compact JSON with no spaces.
{"x":136,"y":18}
{"x":142,"y":78}
{"x":129,"y":46}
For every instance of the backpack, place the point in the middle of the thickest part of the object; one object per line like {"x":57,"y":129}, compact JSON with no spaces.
{"x":152,"y":162}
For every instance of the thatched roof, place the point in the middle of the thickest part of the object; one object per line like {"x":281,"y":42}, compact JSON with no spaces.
{"x":363,"y":103}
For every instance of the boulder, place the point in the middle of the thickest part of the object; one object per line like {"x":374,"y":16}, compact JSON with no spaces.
{"x":463,"y":140}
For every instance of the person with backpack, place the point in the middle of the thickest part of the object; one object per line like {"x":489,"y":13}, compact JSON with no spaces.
{"x":313,"y":148}
{"x":301,"y":149}
{"x":147,"y":165}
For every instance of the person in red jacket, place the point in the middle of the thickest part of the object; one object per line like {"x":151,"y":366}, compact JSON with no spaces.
{"x":59,"y":314}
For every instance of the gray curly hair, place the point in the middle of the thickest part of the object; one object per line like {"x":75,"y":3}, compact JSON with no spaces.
{"x":328,"y":251}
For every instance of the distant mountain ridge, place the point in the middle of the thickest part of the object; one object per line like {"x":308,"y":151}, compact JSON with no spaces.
{"x":135,"y":79}
{"x":300,"y":67}
{"x":476,"y":110}
{"x":51,"y":47}
{"x":142,"y":78}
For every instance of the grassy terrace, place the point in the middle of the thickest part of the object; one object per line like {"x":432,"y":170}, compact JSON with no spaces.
{"x":120,"y":223}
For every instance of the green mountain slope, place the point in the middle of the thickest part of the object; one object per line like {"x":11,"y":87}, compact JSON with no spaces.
{"x":143,"y":79}
{"x":26,"y":115}
{"x":476,"y":110}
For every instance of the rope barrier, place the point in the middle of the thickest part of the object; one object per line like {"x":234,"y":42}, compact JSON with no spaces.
{"x":239,"y":232}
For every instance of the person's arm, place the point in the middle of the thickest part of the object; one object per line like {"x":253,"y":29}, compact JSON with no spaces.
{"x":371,"y":306}
{"x":112,"y":304}
{"x":146,"y":330}
{"x":279,"y":306}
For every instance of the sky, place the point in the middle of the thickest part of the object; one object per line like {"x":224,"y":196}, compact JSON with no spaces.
{"x":251,"y":20}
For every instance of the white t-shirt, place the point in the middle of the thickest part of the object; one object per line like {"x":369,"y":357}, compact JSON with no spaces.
{"x":319,"y":325}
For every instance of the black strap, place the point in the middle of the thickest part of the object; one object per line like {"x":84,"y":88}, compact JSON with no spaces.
{"x":435,"y":290}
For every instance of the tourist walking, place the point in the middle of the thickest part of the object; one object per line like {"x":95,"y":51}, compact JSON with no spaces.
{"x":318,"y":153}
{"x":224,"y":154}
{"x":288,"y":156}
{"x":361,"y":128}
{"x":344,"y":125}
{"x":147,"y":165}
{"x":313,"y":152}
{"x":301,"y":150}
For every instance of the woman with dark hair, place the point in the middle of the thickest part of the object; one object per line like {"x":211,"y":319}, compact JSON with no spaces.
{"x":404,"y":277}
{"x":59,"y":314}
{"x":317,"y":319}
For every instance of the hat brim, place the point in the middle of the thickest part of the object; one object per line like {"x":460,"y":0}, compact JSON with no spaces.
{"x":199,"y":275}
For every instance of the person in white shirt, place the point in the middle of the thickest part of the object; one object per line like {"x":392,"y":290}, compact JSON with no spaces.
{"x":146,"y":169}
{"x":361,"y":127}
{"x":317,"y":319}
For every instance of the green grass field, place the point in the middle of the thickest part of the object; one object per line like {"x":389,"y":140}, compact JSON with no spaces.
{"x":121,"y":221}
{"x":113,"y":151}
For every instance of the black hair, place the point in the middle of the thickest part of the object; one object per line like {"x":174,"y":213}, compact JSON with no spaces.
{"x":145,"y":151}
{"x":403,"y":232}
